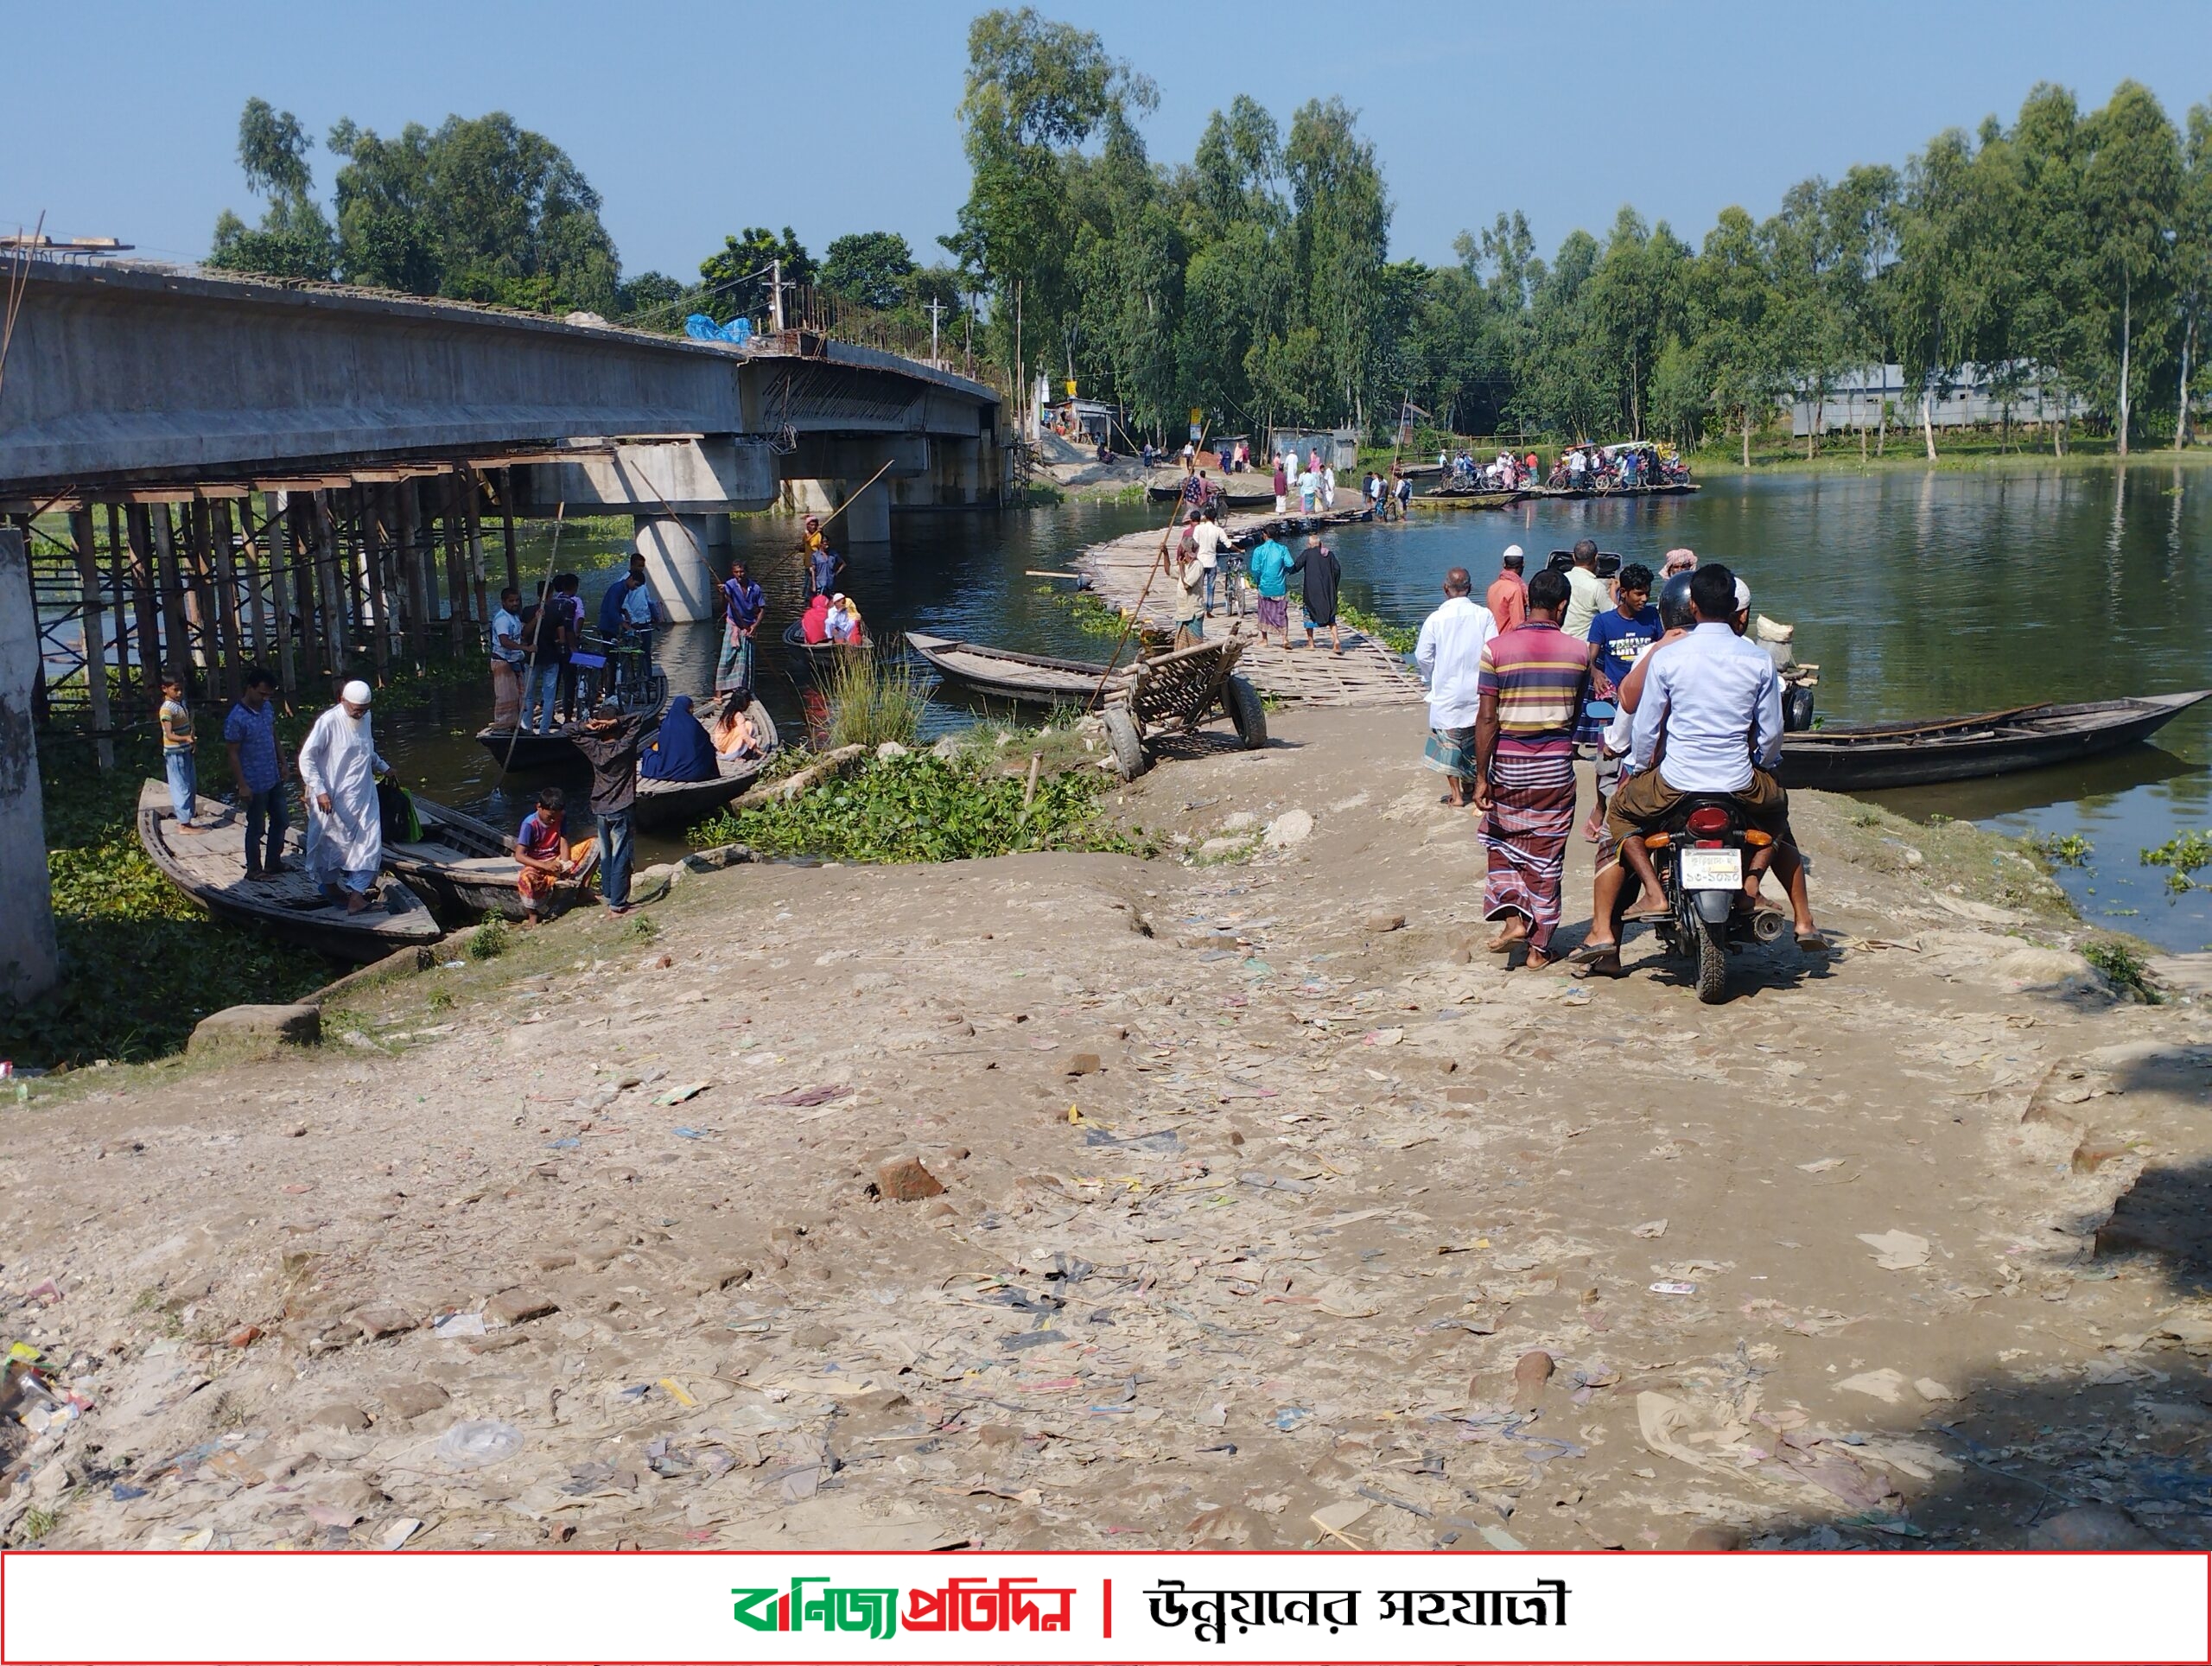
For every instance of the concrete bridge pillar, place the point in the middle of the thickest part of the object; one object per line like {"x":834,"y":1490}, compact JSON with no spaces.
{"x":686,"y":556}
{"x":28,"y":964}
{"x":867,"y":518}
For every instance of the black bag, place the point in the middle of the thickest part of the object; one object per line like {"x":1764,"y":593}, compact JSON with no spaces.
{"x":396,"y":814}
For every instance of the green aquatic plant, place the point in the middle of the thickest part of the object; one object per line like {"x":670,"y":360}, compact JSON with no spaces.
{"x":2121,"y":964}
{"x":2062,"y":849}
{"x":1398,"y":638}
{"x":2182,"y":854}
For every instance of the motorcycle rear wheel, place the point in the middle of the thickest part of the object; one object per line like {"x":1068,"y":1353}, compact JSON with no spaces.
{"x":1711,"y":962}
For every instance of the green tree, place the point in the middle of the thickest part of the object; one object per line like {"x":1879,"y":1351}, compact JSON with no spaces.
{"x":294,"y":238}
{"x":2192,"y":256}
{"x":1339,"y":238}
{"x":1732,"y":346}
{"x":481,"y":209}
{"x":1635,"y":306}
{"x":871,"y":268}
{"x":2132,"y":185}
{"x":736,"y":276}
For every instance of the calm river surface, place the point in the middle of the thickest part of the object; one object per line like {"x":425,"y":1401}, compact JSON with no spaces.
{"x":1917,"y":595}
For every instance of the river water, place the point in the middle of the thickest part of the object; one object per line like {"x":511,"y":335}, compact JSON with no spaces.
{"x":1917,"y":595}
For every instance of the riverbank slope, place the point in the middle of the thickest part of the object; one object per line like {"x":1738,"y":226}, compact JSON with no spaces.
{"x":1253,"y":1197}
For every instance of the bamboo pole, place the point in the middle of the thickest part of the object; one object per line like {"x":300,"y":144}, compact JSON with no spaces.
{"x":308,"y":605}
{"x":226,"y":597}
{"x":256,"y":601}
{"x":337,"y":638}
{"x":95,"y":623}
{"x":280,"y":593}
{"x":176,"y":652}
{"x":457,"y":591}
{"x":473,"y":513}
{"x":410,"y":562}
{"x":373,"y":541}
{"x":507,"y":527}
{"x":118,"y":590}
{"x":145,"y":599}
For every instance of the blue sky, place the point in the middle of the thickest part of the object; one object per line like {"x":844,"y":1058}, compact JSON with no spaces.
{"x":838,"y":115}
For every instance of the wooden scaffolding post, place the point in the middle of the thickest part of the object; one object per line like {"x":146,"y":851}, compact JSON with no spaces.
{"x":337,"y":638}
{"x":298,"y":553}
{"x":176,"y":648}
{"x":373,"y":560}
{"x":145,"y":603}
{"x":227,"y":596}
{"x":257,"y":610}
{"x":507,"y":528}
{"x":199,"y":597}
{"x":418,"y":587}
{"x":88,"y":580}
{"x":457,"y":591}
{"x":280,"y":592}
{"x":472,"y":498}
{"x":118,"y":590}
{"x":353,"y":552}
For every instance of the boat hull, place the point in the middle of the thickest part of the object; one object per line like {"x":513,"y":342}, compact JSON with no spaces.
{"x":679,"y":803}
{"x":1863,"y":759}
{"x":1031,"y":679}
{"x":211,"y":870}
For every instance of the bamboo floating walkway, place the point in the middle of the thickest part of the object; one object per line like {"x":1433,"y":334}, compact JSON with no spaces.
{"x":1367,"y":673}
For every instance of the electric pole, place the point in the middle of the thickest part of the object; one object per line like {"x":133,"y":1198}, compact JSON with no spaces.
{"x":776,"y":296}
{"x":935,"y":307}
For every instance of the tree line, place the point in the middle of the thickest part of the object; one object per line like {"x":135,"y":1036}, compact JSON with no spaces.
{"x":2069,"y":252}
{"x":2062,"y":260}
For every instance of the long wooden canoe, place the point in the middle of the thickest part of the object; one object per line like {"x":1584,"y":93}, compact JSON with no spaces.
{"x":553,"y":750}
{"x":1028,"y":677}
{"x":209,"y":867}
{"x":1865,"y":757}
{"x":465,"y":868}
{"x":817,"y":656}
{"x":679,"y":803}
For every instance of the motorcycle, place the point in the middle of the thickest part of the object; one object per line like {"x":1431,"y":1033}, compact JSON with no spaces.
{"x":1702,"y":855}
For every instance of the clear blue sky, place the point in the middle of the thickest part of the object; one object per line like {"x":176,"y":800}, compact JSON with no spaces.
{"x":838,"y":115}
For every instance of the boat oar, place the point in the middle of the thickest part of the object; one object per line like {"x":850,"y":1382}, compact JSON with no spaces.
{"x":536,"y":626}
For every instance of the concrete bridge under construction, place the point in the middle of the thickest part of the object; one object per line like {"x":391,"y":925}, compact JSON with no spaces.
{"x":130,"y":379}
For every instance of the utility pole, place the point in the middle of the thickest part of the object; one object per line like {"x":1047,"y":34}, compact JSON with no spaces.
{"x":935,"y":307}
{"x":776,"y":296}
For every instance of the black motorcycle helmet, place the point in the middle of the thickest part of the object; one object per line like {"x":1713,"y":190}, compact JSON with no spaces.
{"x":1675,"y":613}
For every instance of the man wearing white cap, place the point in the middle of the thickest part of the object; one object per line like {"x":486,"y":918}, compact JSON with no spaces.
{"x":340,"y":765}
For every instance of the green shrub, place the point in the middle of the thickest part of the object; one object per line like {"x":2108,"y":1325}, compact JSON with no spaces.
{"x":490,"y":940}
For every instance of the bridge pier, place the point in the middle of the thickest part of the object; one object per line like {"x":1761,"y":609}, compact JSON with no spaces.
{"x":868,"y":514}
{"x":29,"y":964}
{"x":686,"y":556}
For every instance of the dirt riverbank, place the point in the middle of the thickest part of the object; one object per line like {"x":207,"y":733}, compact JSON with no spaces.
{"x":1252,"y":1199}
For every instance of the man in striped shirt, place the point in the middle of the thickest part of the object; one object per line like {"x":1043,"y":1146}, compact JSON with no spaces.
{"x":1531,"y":687}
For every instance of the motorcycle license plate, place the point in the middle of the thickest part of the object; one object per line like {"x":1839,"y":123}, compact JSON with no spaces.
{"x":1712,"y":871}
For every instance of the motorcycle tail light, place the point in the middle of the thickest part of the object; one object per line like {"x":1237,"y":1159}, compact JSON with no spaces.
{"x":1708,"y":819}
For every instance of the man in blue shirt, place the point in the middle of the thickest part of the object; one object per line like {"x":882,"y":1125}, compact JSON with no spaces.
{"x":743,"y":606}
{"x":1622,"y":632}
{"x":257,"y":767}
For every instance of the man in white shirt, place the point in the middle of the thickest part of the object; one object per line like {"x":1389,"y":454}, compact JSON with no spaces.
{"x":1208,"y":540}
{"x":506,"y":661}
{"x":1448,"y":654}
{"x":1585,"y":592}
{"x":1715,"y":699}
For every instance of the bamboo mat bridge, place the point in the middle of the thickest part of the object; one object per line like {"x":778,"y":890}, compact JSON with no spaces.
{"x":1367,"y":673}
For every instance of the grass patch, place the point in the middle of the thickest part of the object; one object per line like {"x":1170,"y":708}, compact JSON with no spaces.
{"x":1398,"y":638}
{"x":924,"y":808}
{"x":873,"y":699}
{"x":2120,"y":963}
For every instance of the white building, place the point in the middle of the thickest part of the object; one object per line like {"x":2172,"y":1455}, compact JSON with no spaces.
{"x":1968,"y":396}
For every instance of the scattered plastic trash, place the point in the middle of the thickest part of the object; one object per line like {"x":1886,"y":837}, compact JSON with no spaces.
{"x":677,"y":1096}
{"x":1896,"y":1252}
{"x":457,"y":1325}
{"x":1290,"y":1417}
{"x":569,"y":1144}
{"x":692,"y":1133}
{"x":1672,"y":1287}
{"x":475,"y":1442}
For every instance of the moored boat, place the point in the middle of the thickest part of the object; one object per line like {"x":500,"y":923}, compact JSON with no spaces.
{"x":465,"y":868}
{"x":1455,"y":497}
{"x":527,"y":749}
{"x":1036,"y":678}
{"x":209,"y":867}
{"x":677,"y":804}
{"x":815,"y":654}
{"x":1865,"y":757}
{"x":1224,"y":499}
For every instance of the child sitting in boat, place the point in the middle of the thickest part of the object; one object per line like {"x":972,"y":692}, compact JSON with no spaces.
{"x":547,"y":857}
{"x":734,"y":735}
{"x":845,"y":622}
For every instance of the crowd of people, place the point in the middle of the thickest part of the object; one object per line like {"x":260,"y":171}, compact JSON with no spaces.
{"x":1504,"y":472}
{"x":1614,"y":467}
{"x":1666,"y":701}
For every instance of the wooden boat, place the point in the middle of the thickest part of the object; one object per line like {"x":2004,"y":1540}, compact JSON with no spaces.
{"x":1671,"y":488}
{"x":1225,"y":498}
{"x":1864,"y":757}
{"x":1026,"y":677}
{"x":818,"y":655}
{"x":465,"y":868}
{"x":1460,"y":497}
{"x":530,"y":750}
{"x":679,"y":803}
{"x":209,"y":867}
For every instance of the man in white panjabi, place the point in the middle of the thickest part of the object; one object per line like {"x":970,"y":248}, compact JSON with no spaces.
{"x":339,"y":766}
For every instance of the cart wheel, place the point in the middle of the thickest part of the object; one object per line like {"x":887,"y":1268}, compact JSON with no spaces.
{"x":1127,"y":742}
{"x":1246,"y":712}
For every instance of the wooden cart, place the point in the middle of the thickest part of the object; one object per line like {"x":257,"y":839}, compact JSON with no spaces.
{"x":1174,"y":693}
